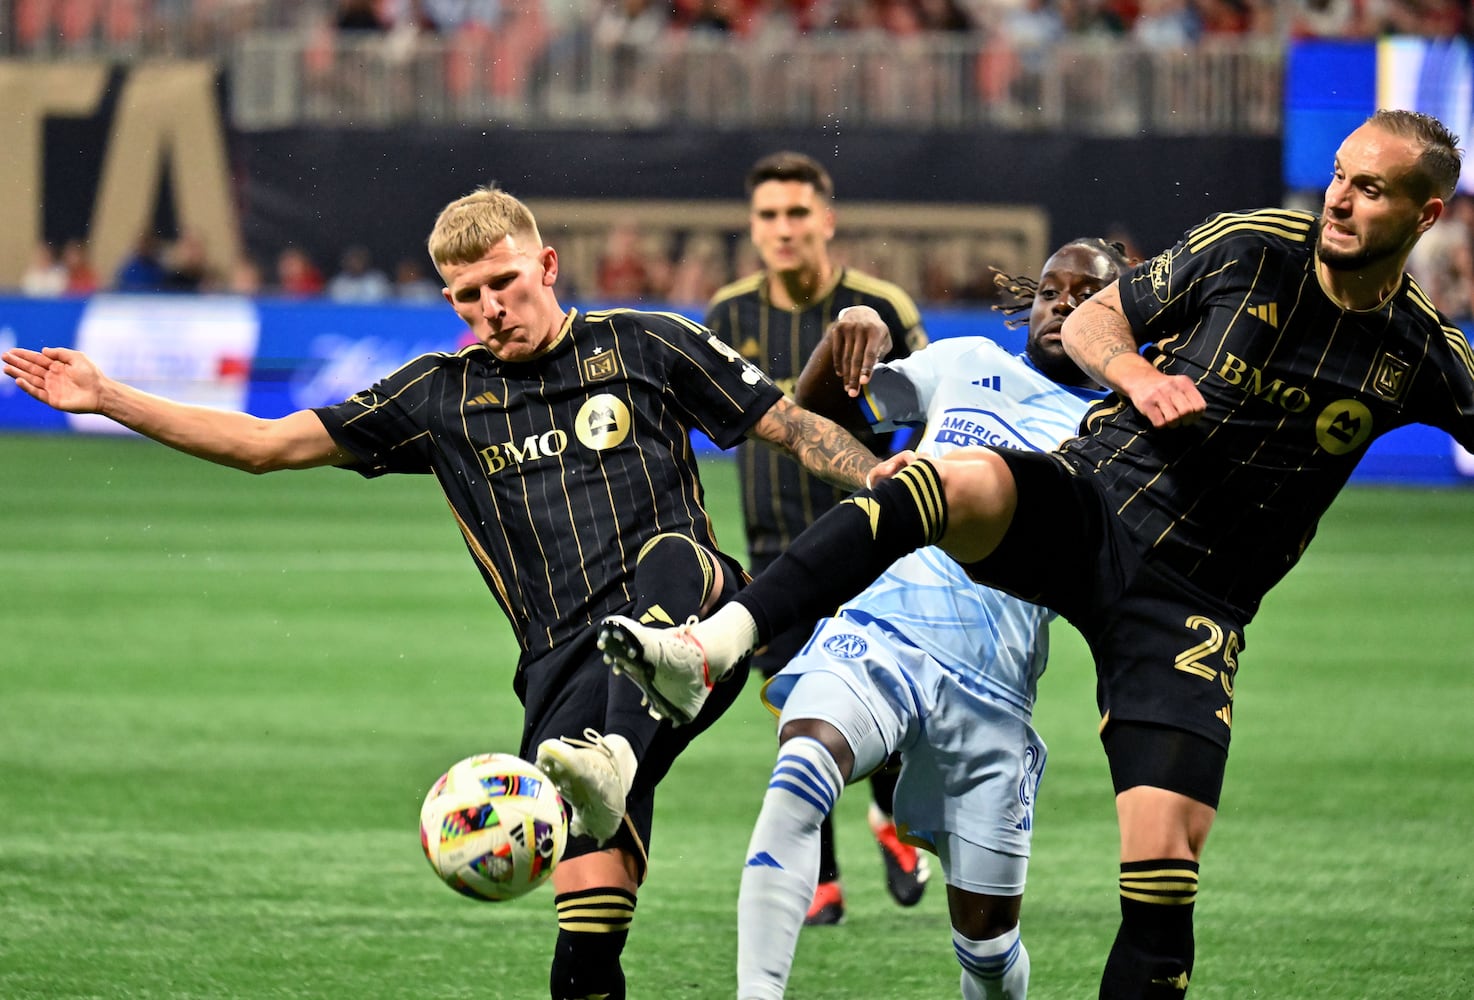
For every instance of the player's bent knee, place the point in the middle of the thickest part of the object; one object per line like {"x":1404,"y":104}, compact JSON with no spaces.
{"x":827,"y":736}
{"x":609,"y":867}
{"x":980,"y":916}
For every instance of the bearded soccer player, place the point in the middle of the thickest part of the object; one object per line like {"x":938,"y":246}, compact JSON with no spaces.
{"x":1252,"y":365}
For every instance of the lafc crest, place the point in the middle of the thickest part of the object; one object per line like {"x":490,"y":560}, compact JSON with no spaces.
{"x":601,"y":366}
{"x":1390,"y":379}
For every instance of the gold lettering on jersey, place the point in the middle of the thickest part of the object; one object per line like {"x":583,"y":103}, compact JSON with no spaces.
{"x":1238,"y":372}
{"x":1160,"y":275}
{"x":1223,"y":647}
{"x":1390,"y":380}
{"x":603,"y":422}
{"x":530,"y":449}
{"x":1190,"y":660}
{"x":600,"y":367}
{"x":1343,"y":426}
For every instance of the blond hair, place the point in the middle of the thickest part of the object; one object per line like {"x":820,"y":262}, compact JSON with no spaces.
{"x":471,"y":225}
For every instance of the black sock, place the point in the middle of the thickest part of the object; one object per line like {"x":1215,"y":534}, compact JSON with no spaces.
{"x":843,"y":552}
{"x":883,"y":786}
{"x":593,"y":925}
{"x":1152,"y":958}
{"x":828,"y":864}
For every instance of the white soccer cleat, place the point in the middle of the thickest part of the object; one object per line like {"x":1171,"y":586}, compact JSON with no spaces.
{"x":594,"y":775}
{"x":667,"y":664}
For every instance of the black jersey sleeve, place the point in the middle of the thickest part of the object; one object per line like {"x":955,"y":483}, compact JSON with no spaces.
{"x":721,"y":393}
{"x":387,"y":426}
{"x":1170,"y":292}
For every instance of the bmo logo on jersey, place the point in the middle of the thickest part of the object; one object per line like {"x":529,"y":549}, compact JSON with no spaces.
{"x":531,"y":448}
{"x":603,"y":422}
{"x":967,"y":428}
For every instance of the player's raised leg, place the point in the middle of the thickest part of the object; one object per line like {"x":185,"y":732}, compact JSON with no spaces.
{"x":830,"y":562}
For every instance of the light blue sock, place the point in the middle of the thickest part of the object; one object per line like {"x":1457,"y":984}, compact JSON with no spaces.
{"x":995,"y":969}
{"x":782,"y":866}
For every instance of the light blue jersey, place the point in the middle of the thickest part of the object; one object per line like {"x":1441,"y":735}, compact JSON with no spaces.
{"x":967,"y":391}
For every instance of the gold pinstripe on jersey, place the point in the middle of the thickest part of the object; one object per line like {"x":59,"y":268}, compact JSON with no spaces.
{"x":558,"y":469}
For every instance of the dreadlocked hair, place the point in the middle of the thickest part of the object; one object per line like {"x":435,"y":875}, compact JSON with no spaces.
{"x":1024,"y":288}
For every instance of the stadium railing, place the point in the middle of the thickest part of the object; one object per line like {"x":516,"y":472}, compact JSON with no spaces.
{"x":1091,"y":86}
{"x":287,"y":66}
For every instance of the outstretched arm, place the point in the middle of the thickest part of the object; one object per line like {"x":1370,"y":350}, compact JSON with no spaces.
{"x":68,"y":380}
{"x":817,"y":443}
{"x":841,"y":365}
{"x":1099,"y":339}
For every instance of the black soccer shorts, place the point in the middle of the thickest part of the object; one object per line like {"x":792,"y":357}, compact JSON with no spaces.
{"x":1166,"y":653}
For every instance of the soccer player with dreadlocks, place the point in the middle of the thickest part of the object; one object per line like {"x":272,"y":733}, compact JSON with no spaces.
{"x":925,"y":662}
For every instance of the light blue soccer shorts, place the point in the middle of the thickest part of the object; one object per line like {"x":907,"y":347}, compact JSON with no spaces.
{"x":970,"y":767}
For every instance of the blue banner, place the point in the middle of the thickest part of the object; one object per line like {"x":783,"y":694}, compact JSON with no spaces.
{"x":272,"y":357}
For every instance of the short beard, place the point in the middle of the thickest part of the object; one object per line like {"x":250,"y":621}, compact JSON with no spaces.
{"x":1357,"y":259}
{"x":1057,"y":367}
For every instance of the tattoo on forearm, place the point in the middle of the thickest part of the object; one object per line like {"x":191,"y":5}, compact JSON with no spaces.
{"x":819,"y":445}
{"x":1100,"y":339}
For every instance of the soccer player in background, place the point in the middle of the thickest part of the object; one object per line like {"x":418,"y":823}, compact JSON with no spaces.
{"x":925,"y":663}
{"x":1252,"y":364}
{"x":561,"y":442}
{"x":775,"y":319}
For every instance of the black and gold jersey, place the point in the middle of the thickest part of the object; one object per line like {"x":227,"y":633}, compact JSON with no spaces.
{"x":779,"y":497}
{"x":560,"y":468}
{"x":1296,"y":386}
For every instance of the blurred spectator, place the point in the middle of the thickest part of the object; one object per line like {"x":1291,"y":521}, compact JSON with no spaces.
{"x":45,"y":277}
{"x":1443,"y":260}
{"x":411,"y":283}
{"x":626,"y":31}
{"x":358,"y":15}
{"x":942,"y":15}
{"x":81,"y":275}
{"x":407,"y":15}
{"x":624,"y":270}
{"x":357,"y":279}
{"x":713,"y":16}
{"x":1229,"y":17}
{"x":186,"y":265}
{"x":1428,"y":18}
{"x":245,"y":277}
{"x":449,"y":16}
{"x":143,"y":270}
{"x":296,"y":274}
{"x":697,"y":274}
{"x":1328,"y":19}
{"x":1097,"y":17}
{"x":1165,"y":24}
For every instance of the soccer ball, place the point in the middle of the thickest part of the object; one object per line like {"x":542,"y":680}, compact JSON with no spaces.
{"x":493,"y":827}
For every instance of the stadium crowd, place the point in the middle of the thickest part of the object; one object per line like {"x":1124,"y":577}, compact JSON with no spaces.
{"x":44,"y":27}
{"x":635,"y":267}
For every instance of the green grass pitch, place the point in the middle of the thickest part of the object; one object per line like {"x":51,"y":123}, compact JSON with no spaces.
{"x":223,"y":697}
